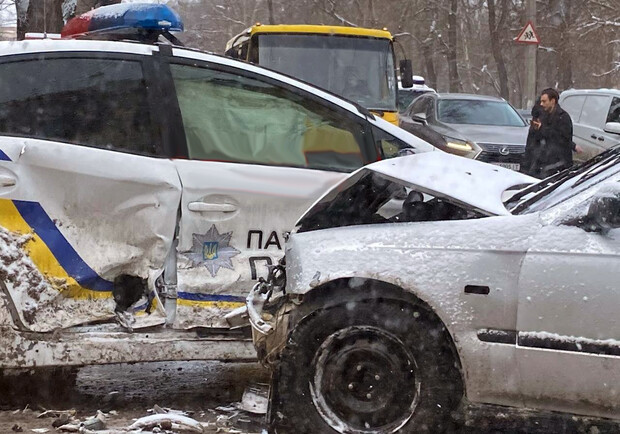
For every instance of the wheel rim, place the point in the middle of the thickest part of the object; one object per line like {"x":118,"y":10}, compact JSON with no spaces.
{"x":364,"y":381}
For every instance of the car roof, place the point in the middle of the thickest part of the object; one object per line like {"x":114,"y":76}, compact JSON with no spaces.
{"x":469,"y":96}
{"x":602,"y":91}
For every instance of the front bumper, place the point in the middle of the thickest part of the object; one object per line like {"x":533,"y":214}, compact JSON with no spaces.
{"x":509,"y":156}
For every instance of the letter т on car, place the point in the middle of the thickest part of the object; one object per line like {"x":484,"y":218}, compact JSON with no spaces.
{"x":145,"y":187}
{"x":378,"y":320}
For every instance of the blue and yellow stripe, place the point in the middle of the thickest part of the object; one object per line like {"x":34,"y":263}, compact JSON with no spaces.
{"x":209,"y":300}
{"x":50,"y":251}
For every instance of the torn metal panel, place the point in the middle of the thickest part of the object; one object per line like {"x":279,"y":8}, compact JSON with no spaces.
{"x":83,"y":217}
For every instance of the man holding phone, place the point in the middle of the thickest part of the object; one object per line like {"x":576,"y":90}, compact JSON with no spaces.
{"x":552,"y":137}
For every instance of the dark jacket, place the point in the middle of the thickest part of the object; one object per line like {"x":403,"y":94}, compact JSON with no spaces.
{"x":531,"y":159}
{"x":550,"y":148}
{"x":556,"y":141}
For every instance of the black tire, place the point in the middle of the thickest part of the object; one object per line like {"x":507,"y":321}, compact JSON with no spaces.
{"x":374,"y":366}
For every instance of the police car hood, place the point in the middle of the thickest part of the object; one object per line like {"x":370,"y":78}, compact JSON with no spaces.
{"x":471,"y":184}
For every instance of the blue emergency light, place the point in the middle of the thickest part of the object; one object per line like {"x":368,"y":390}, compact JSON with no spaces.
{"x":124,"y":20}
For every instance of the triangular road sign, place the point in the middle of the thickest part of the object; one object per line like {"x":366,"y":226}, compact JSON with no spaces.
{"x":528,"y":35}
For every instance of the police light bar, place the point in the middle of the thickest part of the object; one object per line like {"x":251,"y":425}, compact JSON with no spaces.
{"x":124,"y":19}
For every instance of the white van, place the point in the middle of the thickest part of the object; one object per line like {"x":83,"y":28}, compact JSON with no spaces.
{"x":592,"y":111}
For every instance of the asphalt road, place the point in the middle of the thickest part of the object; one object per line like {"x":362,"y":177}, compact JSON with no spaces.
{"x":208,"y":392}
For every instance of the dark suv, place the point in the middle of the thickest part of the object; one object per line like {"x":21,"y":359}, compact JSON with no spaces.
{"x":485,"y":128}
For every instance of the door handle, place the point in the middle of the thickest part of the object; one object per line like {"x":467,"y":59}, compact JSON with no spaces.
{"x":593,"y":136}
{"x":601,"y":138}
{"x":7,"y":181}
{"x":211,"y":207}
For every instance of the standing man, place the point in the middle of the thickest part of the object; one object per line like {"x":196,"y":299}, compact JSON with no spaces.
{"x":555,"y":130}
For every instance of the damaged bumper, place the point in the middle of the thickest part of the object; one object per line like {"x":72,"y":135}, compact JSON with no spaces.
{"x":269,"y":319}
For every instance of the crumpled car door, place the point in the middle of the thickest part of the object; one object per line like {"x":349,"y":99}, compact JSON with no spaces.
{"x":72,"y":219}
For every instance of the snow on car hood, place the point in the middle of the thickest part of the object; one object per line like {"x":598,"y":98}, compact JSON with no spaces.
{"x":471,"y":184}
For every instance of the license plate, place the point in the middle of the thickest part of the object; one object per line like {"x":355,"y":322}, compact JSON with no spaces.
{"x":512,"y":166}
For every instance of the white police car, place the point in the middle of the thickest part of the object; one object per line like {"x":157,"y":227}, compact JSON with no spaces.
{"x":153,"y":184}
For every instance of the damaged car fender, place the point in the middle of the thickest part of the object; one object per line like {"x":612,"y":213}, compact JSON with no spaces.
{"x":455,"y":275}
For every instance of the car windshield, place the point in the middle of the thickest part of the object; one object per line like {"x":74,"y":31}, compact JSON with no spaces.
{"x":557,"y":188}
{"x":336,"y":63}
{"x":477,"y":112}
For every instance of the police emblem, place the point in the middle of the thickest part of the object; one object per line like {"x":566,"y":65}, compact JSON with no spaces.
{"x":213,"y":250}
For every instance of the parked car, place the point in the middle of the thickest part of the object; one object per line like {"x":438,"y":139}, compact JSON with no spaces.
{"x":384,"y":321}
{"x":484,"y":128}
{"x":146,"y":187}
{"x":591,"y":110}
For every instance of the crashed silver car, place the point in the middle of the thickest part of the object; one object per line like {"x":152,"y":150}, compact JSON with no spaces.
{"x":385,"y":318}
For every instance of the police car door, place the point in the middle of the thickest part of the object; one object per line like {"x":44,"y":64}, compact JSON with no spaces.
{"x":259,"y":154}
{"x":87,"y":214}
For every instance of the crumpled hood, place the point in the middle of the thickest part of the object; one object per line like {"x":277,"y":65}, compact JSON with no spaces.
{"x":469,"y":183}
{"x":490,"y":134}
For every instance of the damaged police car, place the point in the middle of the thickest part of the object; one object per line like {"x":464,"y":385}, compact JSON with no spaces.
{"x":145,"y":188}
{"x":384,"y":318}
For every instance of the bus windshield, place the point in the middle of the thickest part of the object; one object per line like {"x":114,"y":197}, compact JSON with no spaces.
{"x":360,"y":69}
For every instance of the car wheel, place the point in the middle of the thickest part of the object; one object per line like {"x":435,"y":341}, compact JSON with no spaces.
{"x":366,"y":367}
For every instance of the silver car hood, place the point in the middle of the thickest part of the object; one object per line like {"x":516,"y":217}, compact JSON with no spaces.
{"x":491,"y":134}
{"x":468,"y":183}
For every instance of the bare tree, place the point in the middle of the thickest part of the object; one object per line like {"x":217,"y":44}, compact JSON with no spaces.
{"x":495,"y":32}
{"x":41,"y":16}
{"x":451,"y":49}
{"x":86,"y":5}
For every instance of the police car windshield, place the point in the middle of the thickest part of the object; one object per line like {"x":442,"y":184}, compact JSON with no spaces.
{"x":336,"y":63}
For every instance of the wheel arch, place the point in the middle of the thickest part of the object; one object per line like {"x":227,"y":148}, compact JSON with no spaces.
{"x":345,"y":290}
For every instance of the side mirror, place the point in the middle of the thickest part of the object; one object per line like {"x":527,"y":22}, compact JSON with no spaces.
{"x":603,"y":213}
{"x":406,"y":73}
{"x":612,"y":127}
{"x":419,"y":117}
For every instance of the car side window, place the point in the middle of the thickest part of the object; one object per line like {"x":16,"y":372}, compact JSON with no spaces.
{"x":418,"y":106}
{"x":234,"y":118}
{"x":93,"y":102}
{"x":430,"y":108}
{"x":614,"y":110}
{"x":573,"y":105}
{"x":595,"y":111}
{"x":389,"y":145}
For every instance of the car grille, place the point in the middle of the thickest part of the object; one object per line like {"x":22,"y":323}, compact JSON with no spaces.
{"x":488,"y":157}
{"x":491,"y":153}
{"x":496,"y":148}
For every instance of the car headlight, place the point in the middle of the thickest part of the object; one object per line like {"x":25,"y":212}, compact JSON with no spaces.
{"x":461,"y":146}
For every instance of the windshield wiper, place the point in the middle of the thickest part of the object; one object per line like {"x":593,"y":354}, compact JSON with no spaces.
{"x":539,"y":186}
{"x":554,"y":181}
{"x":604,"y":165}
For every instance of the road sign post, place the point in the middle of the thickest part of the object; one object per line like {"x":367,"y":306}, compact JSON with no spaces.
{"x":528,"y":36}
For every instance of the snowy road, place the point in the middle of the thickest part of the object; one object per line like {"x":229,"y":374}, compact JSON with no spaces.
{"x":207,"y":391}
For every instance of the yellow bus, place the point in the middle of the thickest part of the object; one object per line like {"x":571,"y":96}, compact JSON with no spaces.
{"x":355,"y":63}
